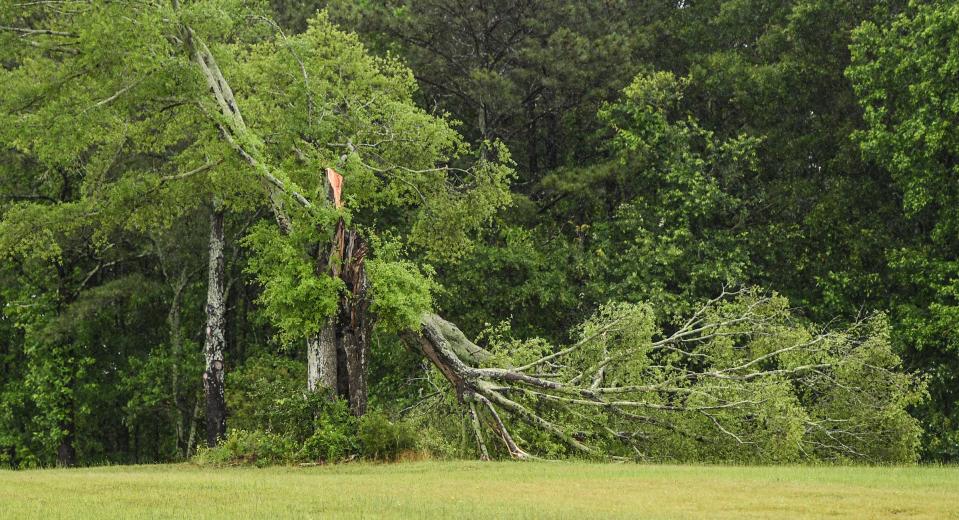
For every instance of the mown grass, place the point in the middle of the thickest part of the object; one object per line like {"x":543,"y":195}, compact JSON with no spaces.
{"x":482,"y":490}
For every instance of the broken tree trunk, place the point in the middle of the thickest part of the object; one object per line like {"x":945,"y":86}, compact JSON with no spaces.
{"x":351,"y":325}
{"x":338,"y":356}
{"x":353,"y":322}
{"x":457,"y":359}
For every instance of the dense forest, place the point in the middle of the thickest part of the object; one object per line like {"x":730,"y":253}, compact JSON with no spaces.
{"x":305,"y":230}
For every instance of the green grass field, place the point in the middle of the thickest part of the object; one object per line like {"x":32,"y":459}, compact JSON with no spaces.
{"x":482,"y":490}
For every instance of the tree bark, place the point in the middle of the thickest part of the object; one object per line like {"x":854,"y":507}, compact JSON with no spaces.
{"x":345,"y":347}
{"x":355,"y":317}
{"x":181,"y":420}
{"x":213,"y":375}
{"x":337,"y":357}
{"x":321,"y":359}
{"x":66,"y":453}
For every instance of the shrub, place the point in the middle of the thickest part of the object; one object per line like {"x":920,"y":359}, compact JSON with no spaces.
{"x":266,"y":393}
{"x":382,"y":439}
{"x":277,"y":422}
{"x":334,"y":435}
{"x":257,"y":448}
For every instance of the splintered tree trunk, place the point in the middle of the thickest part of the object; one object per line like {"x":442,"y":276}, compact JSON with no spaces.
{"x":338,"y":356}
{"x":213,"y":375}
{"x":354,"y":320}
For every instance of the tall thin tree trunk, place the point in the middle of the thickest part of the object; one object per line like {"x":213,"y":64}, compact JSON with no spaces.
{"x":191,"y":439}
{"x":213,"y":375}
{"x":176,"y":343}
{"x":66,"y":453}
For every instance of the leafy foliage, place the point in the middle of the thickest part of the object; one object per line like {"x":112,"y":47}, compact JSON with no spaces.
{"x":903,"y":73}
{"x":516,"y":166}
{"x":739,"y":380}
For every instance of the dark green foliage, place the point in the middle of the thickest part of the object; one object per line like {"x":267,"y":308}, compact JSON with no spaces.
{"x":266,"y":393}
{"x":803,"y":212}
{"x":515,"y":165}
{"x":275,"y":421}
{"x":243,"y":447}
{"x":676,"y":230}
{"x":382,"y":439}
{"x":333,"y":439}
{"x":336,"y":436}
{"x":904,"y":71}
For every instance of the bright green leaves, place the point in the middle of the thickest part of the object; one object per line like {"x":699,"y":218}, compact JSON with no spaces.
{"x":317,"y":100}
{"x":739,"y":379}
{"x":129,"y":115}
{"x":904,"y":75}
{"x":617,"y":331}
{"x":62,"y":106}
{"x":30,"y":230}
{"x":299,"y":300}
{"x":295,"y":298}
{"x":445,"y":227}
{"x":402,"y":292}
{"x":223,"y":20}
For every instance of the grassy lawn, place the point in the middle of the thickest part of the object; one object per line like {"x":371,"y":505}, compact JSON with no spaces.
{"x":482,"y":490}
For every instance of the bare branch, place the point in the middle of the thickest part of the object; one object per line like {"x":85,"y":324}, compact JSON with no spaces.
{"x":31,"y":32}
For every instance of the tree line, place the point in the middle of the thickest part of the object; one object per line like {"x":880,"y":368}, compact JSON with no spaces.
{"x":651,"y":230}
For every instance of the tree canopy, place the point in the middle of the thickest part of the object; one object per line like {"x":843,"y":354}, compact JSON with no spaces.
{"x":706,"y":231}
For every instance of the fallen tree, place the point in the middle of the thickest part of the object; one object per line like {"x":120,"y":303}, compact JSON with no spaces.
{"x":738,"y":379}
